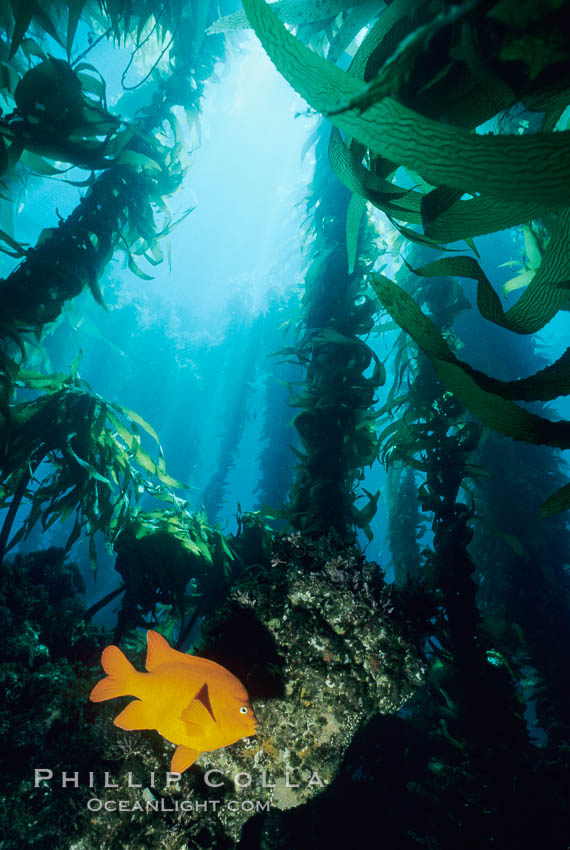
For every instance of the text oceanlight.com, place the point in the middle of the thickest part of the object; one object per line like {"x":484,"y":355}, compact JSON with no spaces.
{"x":96,"y":805}
{"x":212,"y":778}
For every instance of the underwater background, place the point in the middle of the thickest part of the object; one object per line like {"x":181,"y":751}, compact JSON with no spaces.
{"x":284,"y":377}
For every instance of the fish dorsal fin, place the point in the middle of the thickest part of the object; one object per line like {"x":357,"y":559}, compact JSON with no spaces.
{"x":182,"y":759}
{"x":199,"y":712}
{"x":158,"y":650}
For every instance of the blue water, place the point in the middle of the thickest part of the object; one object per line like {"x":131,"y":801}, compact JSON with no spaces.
{"x":173,"y":348}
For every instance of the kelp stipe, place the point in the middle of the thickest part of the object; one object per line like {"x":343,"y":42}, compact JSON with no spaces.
{"x":336,"y":424}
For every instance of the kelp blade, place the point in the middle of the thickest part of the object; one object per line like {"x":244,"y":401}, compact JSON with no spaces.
{"x":515,"y":168}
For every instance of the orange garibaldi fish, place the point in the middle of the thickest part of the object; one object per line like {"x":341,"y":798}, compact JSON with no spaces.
{"x":192,"y":702}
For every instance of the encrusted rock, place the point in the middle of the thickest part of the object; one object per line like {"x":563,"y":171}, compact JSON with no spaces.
{"x":331,"y":657}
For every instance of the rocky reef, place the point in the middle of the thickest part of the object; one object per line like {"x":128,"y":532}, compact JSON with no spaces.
{"x":322,"y":645}
{"x":342,"y":659}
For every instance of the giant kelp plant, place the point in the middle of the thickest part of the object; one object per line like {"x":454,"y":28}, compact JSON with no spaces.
{"x":449,"y":124}
{"x":336,"y":423}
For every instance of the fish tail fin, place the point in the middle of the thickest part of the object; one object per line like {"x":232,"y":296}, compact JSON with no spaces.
{"x":119,"y":679}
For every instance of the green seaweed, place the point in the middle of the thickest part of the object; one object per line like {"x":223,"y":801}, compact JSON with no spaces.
{"x":98,"y":467}
{"x":515,"y":168}
{"x":495,"y":411}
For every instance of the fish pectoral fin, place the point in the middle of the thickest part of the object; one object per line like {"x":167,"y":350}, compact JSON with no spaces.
{"x":134,"y":716}
{"x":204,"y":696}
{"x":196,"y":716}
{"x":182,"y":759}
{"x":199,"y":710}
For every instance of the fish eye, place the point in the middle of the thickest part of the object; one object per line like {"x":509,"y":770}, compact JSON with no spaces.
{"x":243,"y":709}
